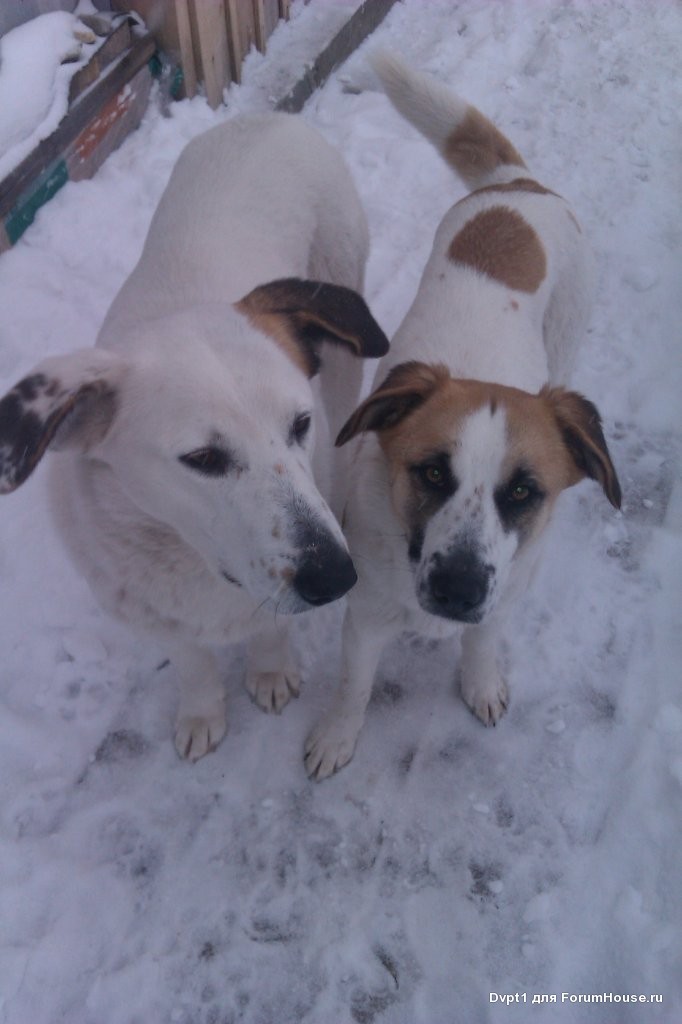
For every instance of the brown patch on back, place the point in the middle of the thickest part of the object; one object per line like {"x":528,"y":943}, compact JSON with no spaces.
{"x":476,"y":148}
{"x":500,"y":243}
{"x":517,"y":185}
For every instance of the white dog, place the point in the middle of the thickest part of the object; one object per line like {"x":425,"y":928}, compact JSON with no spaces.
{"x":185,"y":489}
{"x":468,"y":446}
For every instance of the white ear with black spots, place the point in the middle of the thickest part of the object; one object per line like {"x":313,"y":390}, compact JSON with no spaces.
{"x":65,"y":402}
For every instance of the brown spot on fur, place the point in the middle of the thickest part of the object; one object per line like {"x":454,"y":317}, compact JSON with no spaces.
{"x":517,"y":185}
{"x":279,"y":469}
{"x":514,"y":304}
{"x":476,"y":148}
{"x":287,"y":574}
{"x":500,"y":243}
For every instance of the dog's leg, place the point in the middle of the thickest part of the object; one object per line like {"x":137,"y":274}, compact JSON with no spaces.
{"x":271,"y":678}
{"x":482,"y":686}
{"x":200,"y":725}
{"x":332,"y":742}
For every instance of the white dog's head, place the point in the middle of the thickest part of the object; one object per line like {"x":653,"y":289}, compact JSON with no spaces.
{"x":474,"y":471}
{"x":206,"y":423}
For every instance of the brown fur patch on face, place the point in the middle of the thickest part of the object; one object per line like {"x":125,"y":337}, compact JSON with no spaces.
{"x":498,"y":242}
{"x":476,"y":147}
{"x":534,"y":447}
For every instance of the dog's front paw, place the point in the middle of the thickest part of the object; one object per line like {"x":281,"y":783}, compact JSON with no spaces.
{"x":197,"y":735}
{"x":488,"y":702}
{"x":272,"y":691}
{"x":330,"y":745}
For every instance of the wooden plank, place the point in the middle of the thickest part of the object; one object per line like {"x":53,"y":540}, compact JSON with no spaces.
{"x":49,"y":150}
{"x":271,"y":16}
{"x":347,"y":39}
{"x":247,"y":28}
{"x":259,"y":24}
{"x":212,"y":36}
{"x":82,"y":156}
{"x":159,"y":18}
{"x":284,"y":8}
{"x":189,"y":71}
{"x":108,"y":129}
{"x":115,"y":43}
{"x":234,"y":43}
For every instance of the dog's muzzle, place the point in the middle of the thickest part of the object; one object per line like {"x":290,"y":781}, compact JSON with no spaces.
{"x":456,"y":587}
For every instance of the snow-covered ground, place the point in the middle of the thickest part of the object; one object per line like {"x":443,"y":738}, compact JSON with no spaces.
{"x":446,"y":863}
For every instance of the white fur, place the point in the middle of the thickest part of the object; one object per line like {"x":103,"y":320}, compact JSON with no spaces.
{"x":251,"y":201}
{"x":466,"y":321}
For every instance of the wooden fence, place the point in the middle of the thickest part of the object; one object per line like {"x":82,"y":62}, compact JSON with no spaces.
{"x":209,"y":39}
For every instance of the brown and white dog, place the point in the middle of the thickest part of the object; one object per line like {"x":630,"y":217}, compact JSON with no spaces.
{"x":194,"y":456}
{"x":471,"y":436}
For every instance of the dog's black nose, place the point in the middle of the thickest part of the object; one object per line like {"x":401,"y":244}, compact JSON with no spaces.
{"x":458,"y":586}
{"x":325,"y":574}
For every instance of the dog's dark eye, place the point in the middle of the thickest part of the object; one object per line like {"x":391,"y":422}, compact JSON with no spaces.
{"x":300,"y":428}
{"x":434,"y":475}
{"x":519,"y":498}
{"x":519,"y":493}
{"x":209,"y":461}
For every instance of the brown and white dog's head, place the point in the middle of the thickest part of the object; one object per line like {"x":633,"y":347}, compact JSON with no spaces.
{"x":205,"y":421}
{"x":474,"y":471}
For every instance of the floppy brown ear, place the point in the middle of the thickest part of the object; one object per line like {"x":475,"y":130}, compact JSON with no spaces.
{"x":311,"y":312}
{"x":66,"y":402}
{"x":406,"y":387}
{"x":581,"y":428}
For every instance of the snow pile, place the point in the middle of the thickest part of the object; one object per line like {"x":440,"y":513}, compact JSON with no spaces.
{"x":446,"y":862}
{"x":37,"y":61}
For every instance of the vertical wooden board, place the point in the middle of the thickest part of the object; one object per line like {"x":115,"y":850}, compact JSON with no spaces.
{"x":189,"y":71}
{"x":270,"y":16}
{"x":284,"y":9}
{"x":247,"y":28}
{"x":259,"y":24}
{"x":158,"y":16}
{"x":212,"y":35}
{"x":233,"y":19}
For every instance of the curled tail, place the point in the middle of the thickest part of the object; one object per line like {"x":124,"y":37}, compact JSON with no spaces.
{"x":465,"y":138}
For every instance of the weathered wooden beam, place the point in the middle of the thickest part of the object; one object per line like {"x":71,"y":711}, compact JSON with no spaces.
{"x":259,"y":23}
{"x":233,"y":30}
{"x":347,"y":39}
{"x":185,"y":48}
{"x":212,"y":37}
{"x":92,"y":128}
